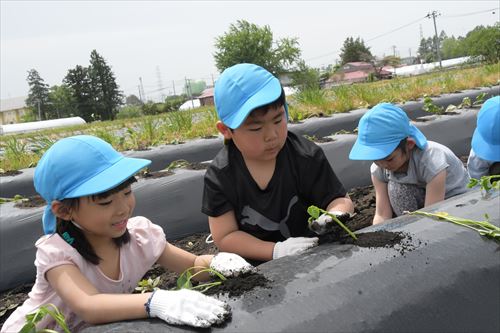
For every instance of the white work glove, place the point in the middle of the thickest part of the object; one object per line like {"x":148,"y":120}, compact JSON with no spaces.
{"x":325,"y":224}
{"x":293,"y":245}
{"x":187,"y":307}
{"x":230,"y":264}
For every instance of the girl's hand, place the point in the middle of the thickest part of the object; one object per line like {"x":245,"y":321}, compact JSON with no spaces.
{"x":230,"y":264}
{"x":187,"y":307}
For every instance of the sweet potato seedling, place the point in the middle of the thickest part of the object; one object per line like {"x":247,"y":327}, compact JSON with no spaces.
{"x":184,"y":280}
{"x":33,"y":318}
{"x":315,"y":212}
{"x":487,"y":183}
{"x":485,"y":228}
{"x":148,"y":285}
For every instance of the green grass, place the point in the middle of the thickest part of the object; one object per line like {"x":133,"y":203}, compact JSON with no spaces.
{"x":24,"y":150}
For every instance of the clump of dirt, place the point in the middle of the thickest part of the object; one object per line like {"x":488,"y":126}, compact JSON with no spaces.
{"x":156,"y":174}
{"x":237,"y":286}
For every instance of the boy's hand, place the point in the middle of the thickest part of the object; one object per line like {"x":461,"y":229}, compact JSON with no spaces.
{"x":187,"y":307}
{"x":230,"y":264}
{"x":293,"y":245}
{"x":325,"y":224}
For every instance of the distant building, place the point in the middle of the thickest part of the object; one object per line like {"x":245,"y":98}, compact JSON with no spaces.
{"x":207,"y":97}
{"x":353,"y":72}
{"x":12,"y":110}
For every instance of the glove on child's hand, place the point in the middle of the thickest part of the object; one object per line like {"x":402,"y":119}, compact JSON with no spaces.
{"x":230,"y":264}
{"x":293,"y":245}
{"x":187,"y":307}
{"x":325,"y":223}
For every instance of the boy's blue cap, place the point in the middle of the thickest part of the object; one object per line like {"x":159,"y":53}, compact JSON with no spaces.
{"x":486,"y":138}
{"x":242,"y":88}
{"x":79,"y":166}
{"x":380,"y":130}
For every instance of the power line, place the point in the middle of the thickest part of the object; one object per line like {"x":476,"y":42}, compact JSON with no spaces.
{"x":473,"y":13}
{"x":401,"y":27}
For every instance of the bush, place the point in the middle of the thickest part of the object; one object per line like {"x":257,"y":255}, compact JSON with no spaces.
{"x":129,"y":111}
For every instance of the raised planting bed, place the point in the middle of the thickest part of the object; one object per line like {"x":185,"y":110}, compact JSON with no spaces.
{"x":438,"y":277}
{"x":174,"y":201}
{"x":205,"y":149}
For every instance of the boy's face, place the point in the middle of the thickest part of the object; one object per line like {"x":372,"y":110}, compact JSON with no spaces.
{"x":262,"y":135}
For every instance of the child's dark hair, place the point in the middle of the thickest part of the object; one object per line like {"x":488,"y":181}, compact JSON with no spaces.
{"x":494,"y":169}
{"x":78,"y":240}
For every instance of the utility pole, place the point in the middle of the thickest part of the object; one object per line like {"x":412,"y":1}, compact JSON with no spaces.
{"x":394,"y":50}
{"x":173,"y":86}
{"x":160,"y":84}
{"x":188,"y":90}
{"x":140,"y":95}
{"x":434,"y":14}
{"x":142,"y":90}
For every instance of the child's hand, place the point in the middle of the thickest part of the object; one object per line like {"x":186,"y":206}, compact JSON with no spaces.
{"x":293,"y":245}
{"x":230,"y":264}
{"x":325,"y":224}
{"x":187,"y":307}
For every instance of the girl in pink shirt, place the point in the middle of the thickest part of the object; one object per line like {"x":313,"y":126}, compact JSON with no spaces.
{"x":94,"y":253}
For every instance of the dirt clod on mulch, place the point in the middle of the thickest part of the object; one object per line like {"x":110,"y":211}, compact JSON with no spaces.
{"x":237,"y":286}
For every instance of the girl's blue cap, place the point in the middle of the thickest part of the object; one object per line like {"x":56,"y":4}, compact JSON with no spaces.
{"x":241,"y":89}
{"x":486,"y":138}
{"x":79,"y":166}
{"x":380,"y":130}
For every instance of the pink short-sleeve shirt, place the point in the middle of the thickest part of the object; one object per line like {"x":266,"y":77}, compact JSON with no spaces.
{"x":147,"y":242}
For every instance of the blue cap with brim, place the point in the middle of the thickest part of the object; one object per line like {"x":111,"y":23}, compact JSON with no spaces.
{"x":486,"y":137}
{"x":241,"y":89}
{"x":79,"y":166}
{"x":380,"y":131}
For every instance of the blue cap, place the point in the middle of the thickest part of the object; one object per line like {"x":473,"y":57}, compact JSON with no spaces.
{"x":242,"y":88}
{"x":380,"y":130}
{"x":486,"y":138}
{"x":79,"y":166}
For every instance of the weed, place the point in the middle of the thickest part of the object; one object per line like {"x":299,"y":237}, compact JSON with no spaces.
{"x":33,"y":318}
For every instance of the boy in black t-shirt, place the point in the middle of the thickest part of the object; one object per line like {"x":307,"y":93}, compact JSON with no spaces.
{"x":259,"y":186}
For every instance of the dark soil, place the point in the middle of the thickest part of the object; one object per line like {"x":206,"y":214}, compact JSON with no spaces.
{"x":10,"y":173}
{"x":364,"y":203}
{"x":34,"y":201}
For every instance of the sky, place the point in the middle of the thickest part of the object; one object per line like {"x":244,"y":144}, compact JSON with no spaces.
{"x":161,"y":43}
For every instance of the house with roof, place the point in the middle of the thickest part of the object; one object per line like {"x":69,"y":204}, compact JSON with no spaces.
{"x":12,"y":110}
{"x":354,"y":72}
{"x":206,"y":97}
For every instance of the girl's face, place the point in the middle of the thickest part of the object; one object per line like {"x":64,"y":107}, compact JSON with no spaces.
{"x":397,"y":161}
{"x":105,"y":217}
{"x":262,"y":135}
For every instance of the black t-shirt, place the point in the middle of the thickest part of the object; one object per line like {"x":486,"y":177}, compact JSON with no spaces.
{"x":302,"y":177}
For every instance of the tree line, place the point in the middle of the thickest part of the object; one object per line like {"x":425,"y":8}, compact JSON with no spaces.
{"x":92,"y":93}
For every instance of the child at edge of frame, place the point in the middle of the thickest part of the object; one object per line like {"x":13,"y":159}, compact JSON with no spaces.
{"x":259,"y":186}
{"x":408,"y":171}
{"x":94,"y":253}
{"x":484,"y":156}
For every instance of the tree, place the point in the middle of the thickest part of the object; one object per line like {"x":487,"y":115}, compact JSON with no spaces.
{"x":105,"y":93}
{"x":305,"y":77}
{"x":355,"y":50}
{"x":38,"y":96}
{"x":78,"y":81}
{"x":452,"y":47}
{"x":484,"y":42}
{"x":194,"y":88}
{"x":62,"y":102}
{"x":133,"y":100}
{"x":426,"y":50}
{"x":247,"y":42}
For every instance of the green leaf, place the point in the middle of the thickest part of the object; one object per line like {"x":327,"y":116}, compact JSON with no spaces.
{"x":313,"y":211}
